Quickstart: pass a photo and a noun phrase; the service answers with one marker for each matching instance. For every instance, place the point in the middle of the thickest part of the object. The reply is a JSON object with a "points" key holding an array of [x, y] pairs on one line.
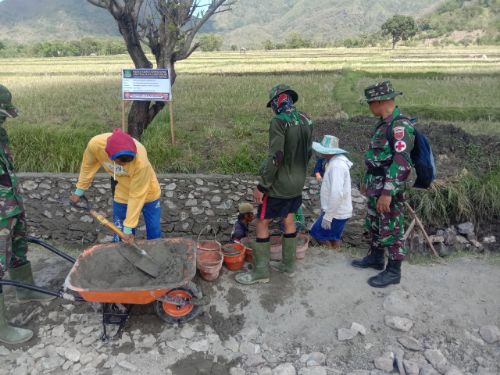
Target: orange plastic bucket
{"points": [[233, 261], [248, 243]]}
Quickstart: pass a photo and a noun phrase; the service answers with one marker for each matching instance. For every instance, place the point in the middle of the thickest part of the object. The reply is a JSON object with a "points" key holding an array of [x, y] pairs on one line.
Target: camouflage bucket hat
{"points": [[280, 89], [6, 107], [380, 91]]}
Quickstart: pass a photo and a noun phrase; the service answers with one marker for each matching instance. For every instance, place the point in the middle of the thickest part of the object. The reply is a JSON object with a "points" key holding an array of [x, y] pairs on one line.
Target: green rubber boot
{"points": [[8, 334], [288, 251], [260, 269], [24, 274]]}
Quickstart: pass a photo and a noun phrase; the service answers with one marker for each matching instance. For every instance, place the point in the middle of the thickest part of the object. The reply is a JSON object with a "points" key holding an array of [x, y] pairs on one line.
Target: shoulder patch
{"points": [[400, 146], [399, 132]]}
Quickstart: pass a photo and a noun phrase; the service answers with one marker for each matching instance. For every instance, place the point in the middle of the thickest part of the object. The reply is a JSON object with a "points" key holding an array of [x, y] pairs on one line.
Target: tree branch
{"points": [[213, 8], [100, 3]]}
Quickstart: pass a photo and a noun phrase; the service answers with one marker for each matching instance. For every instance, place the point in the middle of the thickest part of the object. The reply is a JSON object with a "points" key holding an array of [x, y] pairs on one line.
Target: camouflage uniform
{"points": [[13, 246], [388, 168]]}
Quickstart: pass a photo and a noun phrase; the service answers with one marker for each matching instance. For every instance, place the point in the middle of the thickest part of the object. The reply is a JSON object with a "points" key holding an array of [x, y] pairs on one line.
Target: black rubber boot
{"points": [[391, 275], [374, 259]]}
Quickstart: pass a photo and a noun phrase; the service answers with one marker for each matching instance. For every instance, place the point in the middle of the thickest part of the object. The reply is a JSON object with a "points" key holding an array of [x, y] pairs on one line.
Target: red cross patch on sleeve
{"points": [[399, 132], [400, 146]]}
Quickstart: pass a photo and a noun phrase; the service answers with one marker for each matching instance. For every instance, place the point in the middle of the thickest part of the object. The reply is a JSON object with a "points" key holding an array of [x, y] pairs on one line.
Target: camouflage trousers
{"points": [[13, 245], [387, 229]]}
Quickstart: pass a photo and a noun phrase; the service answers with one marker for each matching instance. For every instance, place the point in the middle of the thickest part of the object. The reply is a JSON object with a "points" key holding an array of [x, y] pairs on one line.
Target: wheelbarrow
{"points": [[100, 274]]}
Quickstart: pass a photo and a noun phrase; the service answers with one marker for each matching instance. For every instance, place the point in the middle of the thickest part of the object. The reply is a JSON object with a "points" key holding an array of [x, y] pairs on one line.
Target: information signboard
{"points": [[146, 85]]}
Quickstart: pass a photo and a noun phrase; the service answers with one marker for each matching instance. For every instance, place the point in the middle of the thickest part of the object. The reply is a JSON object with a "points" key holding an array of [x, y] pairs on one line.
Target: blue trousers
{"points": [[151, 212], [335, 233]]}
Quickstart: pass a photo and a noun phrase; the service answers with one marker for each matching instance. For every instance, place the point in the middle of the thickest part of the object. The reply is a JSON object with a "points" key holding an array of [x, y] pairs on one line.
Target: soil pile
{"points": [[453, 148]]}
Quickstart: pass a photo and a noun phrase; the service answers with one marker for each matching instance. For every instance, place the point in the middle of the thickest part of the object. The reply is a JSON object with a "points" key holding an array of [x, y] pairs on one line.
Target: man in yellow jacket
{"points": [[136, 186]]}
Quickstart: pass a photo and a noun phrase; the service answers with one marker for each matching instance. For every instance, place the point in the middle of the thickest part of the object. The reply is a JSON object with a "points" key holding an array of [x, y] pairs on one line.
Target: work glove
{"points": [[326, 224]]}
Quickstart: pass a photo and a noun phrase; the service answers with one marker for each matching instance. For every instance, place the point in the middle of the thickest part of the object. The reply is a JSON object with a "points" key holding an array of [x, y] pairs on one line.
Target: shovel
{"points": [[134, 254]]}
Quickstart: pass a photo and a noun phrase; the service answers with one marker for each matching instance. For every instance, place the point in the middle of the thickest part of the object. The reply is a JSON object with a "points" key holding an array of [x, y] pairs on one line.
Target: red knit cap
{"points": [[119, 144]]}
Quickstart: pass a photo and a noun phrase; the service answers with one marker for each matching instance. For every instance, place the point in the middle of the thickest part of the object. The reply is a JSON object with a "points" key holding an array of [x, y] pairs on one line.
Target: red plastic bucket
{"points": [[248, 243], [234, 261]]}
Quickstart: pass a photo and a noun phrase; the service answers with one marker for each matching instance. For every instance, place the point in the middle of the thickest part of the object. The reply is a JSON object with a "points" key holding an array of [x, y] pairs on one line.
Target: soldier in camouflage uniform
{"points": [[388, 166], [13, 246]]}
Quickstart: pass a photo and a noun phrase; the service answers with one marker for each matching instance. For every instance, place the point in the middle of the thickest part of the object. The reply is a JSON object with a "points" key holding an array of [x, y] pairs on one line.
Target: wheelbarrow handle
{"points": [[51, 248]]}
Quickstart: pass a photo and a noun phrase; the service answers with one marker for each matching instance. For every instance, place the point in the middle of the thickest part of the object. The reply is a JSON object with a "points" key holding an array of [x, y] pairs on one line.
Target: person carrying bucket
{"points": [[13, 245], [137, 188], [282, 178], [335, 193]]}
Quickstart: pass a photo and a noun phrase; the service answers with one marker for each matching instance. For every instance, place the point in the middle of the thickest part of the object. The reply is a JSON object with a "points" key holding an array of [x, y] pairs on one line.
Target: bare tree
{"points": [[168, 28]]}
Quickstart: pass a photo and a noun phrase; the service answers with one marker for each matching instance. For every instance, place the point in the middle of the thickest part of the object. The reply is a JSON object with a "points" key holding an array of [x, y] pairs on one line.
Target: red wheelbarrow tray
{"points": [[102, 274]]}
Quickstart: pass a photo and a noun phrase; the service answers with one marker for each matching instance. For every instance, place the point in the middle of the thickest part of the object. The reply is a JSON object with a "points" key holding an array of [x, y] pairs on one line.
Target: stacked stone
{"points": [[190, 203]]}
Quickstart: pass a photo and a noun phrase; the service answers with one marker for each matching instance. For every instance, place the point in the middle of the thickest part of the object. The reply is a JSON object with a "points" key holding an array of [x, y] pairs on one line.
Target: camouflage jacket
{"points": [[11, 203], [388, 167], [283, 173]]}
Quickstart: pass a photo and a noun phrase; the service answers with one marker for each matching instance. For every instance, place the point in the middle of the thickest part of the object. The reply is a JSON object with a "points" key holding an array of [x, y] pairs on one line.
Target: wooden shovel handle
{"points": [[421, 226], [104, 221]]}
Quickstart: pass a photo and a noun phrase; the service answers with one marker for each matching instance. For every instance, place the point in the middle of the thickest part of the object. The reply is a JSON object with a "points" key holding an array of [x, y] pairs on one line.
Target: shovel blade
{"points": [[142, 262]]}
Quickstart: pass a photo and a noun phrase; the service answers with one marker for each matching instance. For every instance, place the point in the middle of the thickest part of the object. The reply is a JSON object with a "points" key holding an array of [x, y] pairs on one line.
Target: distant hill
{"points": [[249, 24], [464, 20]]}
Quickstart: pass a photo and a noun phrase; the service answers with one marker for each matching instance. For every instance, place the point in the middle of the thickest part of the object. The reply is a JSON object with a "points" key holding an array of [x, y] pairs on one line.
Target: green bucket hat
{"points": [[379, 92], [280, 89], [6, 107]]}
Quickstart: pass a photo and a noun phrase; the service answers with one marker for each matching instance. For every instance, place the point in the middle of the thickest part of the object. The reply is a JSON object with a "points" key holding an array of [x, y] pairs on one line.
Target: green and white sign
{"points": [[146, 85]]}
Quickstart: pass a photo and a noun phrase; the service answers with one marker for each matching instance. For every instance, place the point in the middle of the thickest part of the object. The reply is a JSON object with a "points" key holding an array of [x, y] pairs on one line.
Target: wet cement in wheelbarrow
{"points": [[107, 269]]}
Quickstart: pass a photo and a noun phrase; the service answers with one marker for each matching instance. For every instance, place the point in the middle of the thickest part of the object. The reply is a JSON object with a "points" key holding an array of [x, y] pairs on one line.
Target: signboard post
{"points": [[147, 85]]}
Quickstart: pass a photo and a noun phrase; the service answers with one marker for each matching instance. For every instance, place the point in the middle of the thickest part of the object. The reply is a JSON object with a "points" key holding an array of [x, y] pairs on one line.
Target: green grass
{"points": [[220, 116], [221, 122], [468, 197], [441, 97]]}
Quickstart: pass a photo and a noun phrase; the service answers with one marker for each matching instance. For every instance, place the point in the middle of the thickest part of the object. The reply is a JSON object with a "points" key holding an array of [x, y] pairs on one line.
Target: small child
{"points": [[319, 169], [335, 194], [245, 217]]}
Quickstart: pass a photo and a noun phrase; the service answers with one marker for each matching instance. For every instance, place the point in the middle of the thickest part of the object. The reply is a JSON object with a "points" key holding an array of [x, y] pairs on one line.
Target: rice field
{"points": [[219, 100], [451, 60]]}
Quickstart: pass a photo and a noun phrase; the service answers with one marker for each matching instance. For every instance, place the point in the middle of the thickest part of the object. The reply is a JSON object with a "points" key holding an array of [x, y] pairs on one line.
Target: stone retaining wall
{"points": [[189, 204]]}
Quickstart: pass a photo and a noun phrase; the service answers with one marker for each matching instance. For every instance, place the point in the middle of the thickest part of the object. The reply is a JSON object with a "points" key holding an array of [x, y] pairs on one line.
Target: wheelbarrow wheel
{"points": [[174, 314]]}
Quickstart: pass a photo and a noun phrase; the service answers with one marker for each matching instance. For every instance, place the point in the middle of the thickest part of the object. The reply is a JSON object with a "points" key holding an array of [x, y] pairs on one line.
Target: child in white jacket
{"points": [[335, 194]]}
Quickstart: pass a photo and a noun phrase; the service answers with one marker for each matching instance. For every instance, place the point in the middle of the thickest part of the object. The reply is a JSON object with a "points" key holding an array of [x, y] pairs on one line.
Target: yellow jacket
{"points": [[137, 182]]}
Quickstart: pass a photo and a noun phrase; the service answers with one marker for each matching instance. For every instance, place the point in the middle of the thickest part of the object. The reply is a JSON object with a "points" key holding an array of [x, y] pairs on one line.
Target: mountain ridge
{"points": [[249, 24]]}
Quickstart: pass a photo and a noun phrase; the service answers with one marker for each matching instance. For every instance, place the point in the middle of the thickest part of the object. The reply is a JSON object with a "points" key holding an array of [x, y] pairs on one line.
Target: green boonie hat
{"points": [[380, 91], [6, 107], [280, 89]]}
